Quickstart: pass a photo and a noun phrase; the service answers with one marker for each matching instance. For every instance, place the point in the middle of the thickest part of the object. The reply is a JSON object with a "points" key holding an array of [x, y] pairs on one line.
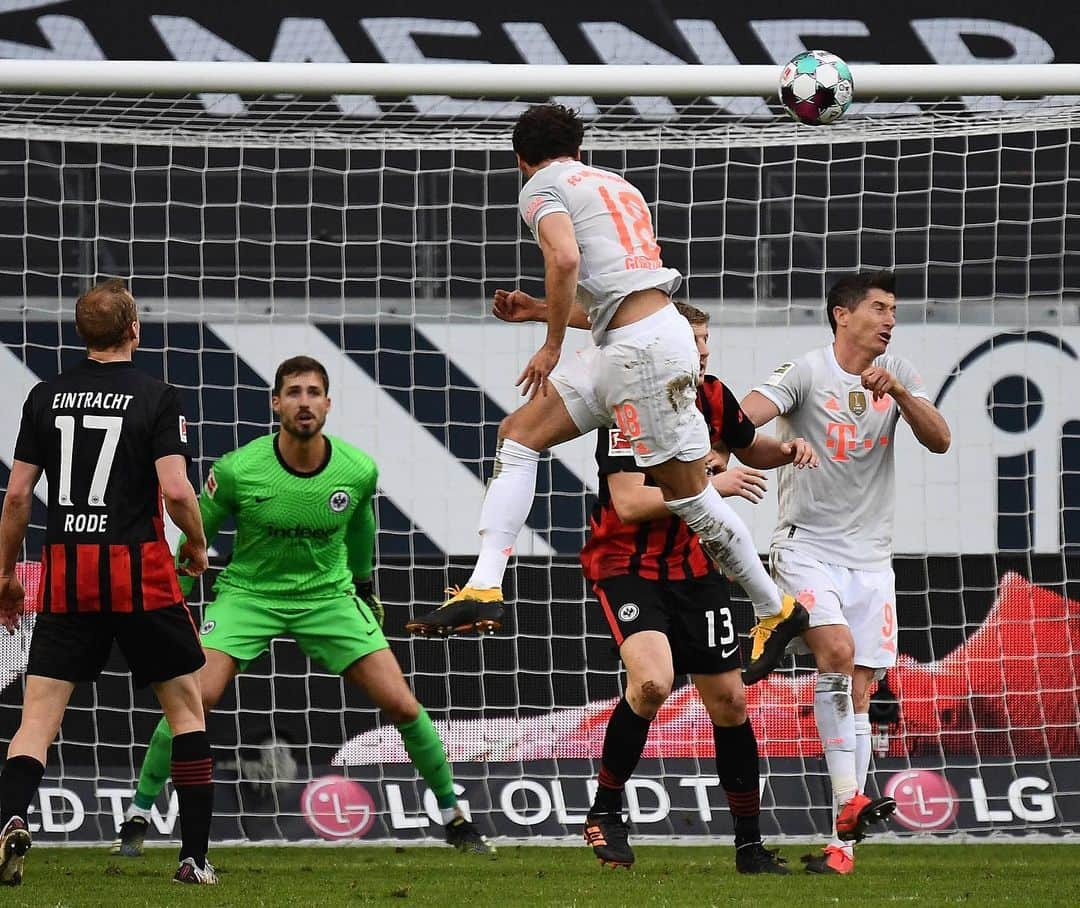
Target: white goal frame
{"points": [[38, 85]]}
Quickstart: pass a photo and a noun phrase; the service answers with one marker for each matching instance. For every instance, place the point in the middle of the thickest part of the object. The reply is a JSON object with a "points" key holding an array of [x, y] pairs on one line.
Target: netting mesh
{"points": [[280, 121], [253, 232]]}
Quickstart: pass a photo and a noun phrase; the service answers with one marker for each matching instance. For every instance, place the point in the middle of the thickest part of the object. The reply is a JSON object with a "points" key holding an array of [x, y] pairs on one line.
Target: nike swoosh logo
{"points": [[259, 499], [724, 653]]}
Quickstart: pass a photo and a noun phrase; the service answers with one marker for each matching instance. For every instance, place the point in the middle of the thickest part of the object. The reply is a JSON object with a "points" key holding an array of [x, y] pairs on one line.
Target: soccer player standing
{"points": [[834, 535], [112, 441], [596, 235], [669, 613], [301, 567]]}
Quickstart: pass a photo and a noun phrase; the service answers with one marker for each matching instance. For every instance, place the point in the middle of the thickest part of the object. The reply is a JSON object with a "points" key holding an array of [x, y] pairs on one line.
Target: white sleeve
{"points": [[788, 385], [538, 201]]}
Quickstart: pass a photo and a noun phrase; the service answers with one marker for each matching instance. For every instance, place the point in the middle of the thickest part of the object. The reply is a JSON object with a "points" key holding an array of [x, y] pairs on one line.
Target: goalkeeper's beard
{"points": [[304, 431]]}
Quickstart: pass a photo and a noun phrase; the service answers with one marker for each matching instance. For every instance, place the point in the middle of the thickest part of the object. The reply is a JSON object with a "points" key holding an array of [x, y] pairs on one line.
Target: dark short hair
{"points": [[104, 315], [849, 291], [298, 365], [692, 314], [547, 131]]}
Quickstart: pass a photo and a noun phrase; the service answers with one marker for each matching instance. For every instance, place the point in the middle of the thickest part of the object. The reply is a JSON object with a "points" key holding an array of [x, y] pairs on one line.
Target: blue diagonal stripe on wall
{"points": [[227, 402]]}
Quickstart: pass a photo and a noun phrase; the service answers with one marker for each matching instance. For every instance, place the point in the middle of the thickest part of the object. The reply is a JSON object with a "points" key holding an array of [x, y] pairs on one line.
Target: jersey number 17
{"points": [[112, 426]]}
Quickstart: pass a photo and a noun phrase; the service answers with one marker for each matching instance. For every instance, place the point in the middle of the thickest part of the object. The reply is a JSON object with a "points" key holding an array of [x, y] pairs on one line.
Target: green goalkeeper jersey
{"points": [[298, 536]]}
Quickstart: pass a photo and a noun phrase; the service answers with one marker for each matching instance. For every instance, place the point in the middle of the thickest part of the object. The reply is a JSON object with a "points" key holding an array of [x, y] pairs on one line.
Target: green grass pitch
{"points": [[925, 875]]}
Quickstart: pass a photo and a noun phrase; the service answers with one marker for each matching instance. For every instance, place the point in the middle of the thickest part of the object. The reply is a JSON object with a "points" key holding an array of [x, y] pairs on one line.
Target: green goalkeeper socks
{"points": [[422, 743], [156, 766], [425, 749]]}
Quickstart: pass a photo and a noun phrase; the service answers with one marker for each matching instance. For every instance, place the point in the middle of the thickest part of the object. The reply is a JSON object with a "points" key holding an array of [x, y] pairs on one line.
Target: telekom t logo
{"points": [[841, 439]]}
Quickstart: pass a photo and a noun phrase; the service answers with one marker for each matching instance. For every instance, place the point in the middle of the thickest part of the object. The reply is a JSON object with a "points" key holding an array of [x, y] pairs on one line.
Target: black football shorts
{"points": [[694, 614], [158, 645]]}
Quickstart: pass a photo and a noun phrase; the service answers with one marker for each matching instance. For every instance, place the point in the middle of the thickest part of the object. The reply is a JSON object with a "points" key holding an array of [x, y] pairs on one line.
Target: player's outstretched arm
{"points": [[636, 502], [759, 408], [13, 523], [767, 452], [519, 306], [183, 508], [753, 448]]}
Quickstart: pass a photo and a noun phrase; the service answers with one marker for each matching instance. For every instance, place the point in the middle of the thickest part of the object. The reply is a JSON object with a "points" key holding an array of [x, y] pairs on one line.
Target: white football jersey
{"points": [[842, 512], [619, 252]]}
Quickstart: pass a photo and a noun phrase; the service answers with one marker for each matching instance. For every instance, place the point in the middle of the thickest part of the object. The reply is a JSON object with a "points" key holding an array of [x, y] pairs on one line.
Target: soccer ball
{"points": [[816, 87]]}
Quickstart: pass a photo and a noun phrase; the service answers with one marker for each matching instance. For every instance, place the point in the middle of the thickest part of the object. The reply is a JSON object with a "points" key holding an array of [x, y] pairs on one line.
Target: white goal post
{"points": [[365, 213], [513, 80]]}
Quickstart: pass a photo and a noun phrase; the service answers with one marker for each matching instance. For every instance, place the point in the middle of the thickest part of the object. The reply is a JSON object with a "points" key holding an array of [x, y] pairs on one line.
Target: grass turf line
{"points": [[976, 875]]}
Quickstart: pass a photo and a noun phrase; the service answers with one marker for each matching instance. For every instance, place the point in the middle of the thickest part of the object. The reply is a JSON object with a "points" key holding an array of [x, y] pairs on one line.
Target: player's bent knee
{"points": [[726, 707], [526, 433], [507, 426], [650, 695], [834, 654], [679, 480], [729, 716]]}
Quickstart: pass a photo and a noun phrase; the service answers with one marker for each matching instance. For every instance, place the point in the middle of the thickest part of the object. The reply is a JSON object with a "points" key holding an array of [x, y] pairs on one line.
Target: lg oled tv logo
{"points": [[338, 808], [927, 802]]}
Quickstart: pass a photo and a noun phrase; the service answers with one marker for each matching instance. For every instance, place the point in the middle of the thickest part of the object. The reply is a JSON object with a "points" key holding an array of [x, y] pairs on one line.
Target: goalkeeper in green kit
{"points": [[301, 568]]}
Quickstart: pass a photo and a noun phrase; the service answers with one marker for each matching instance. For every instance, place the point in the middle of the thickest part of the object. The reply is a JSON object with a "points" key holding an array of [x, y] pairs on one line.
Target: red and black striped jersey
{"points": [[664, 549], [97, 430]]}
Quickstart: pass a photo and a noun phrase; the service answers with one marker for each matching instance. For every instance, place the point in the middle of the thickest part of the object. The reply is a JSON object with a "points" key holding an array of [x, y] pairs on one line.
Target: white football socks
{"points": [[728, 543], [862, 749], [835, 718], [506, 507], [836, 727]]}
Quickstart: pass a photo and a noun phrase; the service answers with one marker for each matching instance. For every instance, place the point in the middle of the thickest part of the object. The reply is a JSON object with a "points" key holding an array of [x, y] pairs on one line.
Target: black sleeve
{"points": [[736, 431], [169, 432], [27, 448], [613, 453]]}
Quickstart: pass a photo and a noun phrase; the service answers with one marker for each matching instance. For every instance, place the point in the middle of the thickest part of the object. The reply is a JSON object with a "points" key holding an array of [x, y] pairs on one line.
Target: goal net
{"points": [[371, 232]]}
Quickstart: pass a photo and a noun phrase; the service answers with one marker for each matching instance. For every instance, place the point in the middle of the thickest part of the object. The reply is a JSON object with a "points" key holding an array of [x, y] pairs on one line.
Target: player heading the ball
{"points": [[596, 235]]}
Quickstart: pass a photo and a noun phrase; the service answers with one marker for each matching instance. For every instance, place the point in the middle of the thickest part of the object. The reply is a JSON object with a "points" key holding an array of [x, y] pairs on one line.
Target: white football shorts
{"points": [[575, 380], [865, 601], [642, 378]]}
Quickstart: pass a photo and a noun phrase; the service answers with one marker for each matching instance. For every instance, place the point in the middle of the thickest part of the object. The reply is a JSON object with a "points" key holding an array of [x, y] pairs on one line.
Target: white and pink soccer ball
{"points": [[816, 87]]}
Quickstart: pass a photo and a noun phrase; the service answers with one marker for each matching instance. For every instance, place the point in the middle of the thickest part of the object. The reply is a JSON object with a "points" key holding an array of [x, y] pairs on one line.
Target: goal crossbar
{"points": [[513, 80]]}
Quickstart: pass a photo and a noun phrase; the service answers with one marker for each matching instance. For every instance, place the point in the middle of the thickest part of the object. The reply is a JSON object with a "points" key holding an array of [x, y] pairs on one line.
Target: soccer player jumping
{"points": [[596, 235], [112, 442], [834, 533], [301, 567]]}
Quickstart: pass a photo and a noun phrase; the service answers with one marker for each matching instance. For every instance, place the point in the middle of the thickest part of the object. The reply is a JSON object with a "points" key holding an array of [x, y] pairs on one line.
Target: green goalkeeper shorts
{"points": [[335, 632]]}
